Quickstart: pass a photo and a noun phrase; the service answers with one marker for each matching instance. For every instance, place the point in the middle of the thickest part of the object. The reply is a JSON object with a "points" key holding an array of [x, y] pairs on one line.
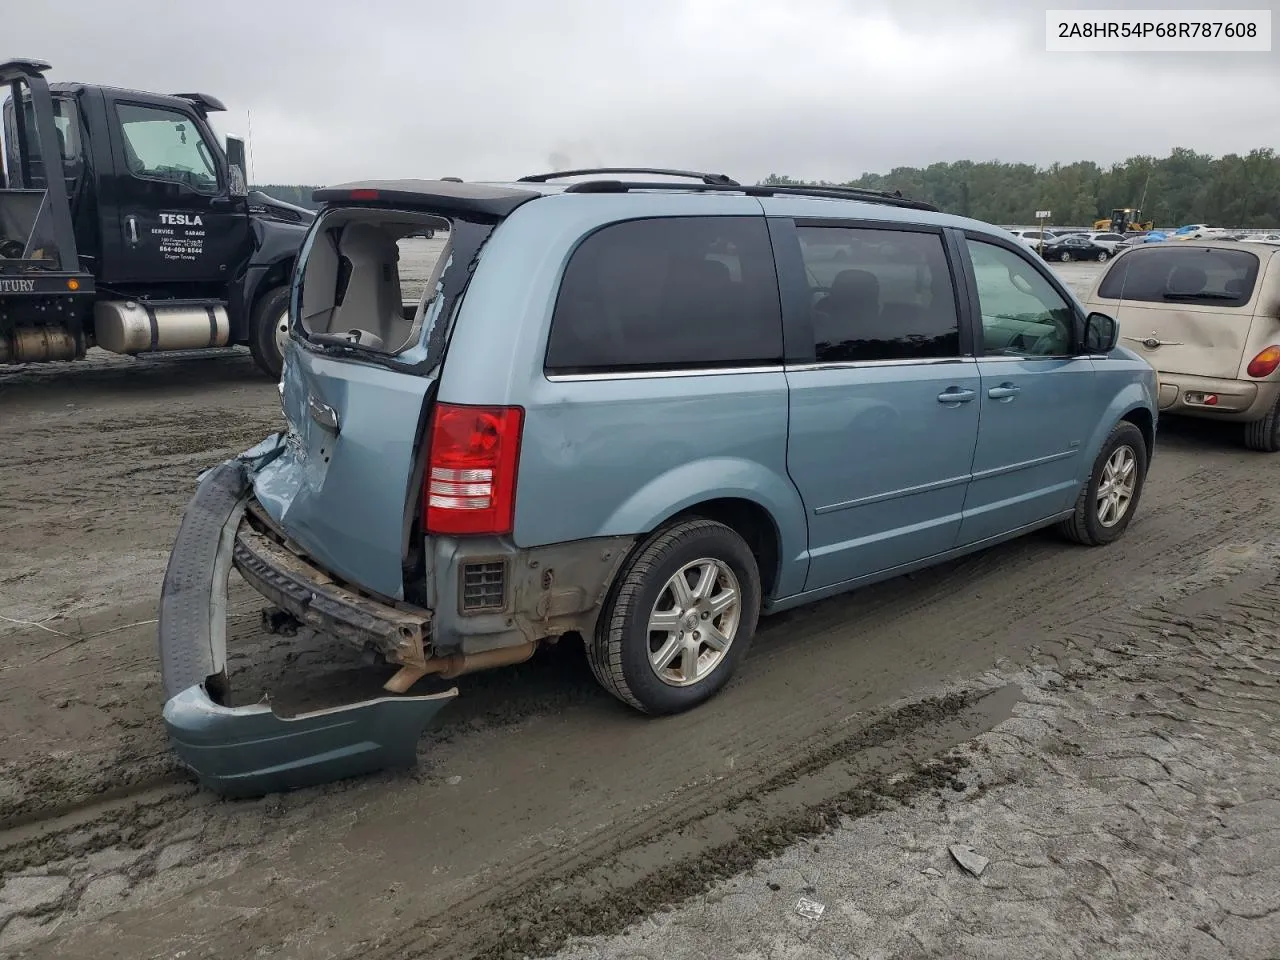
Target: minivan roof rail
{"points": [[895, 199], [710, 179]]}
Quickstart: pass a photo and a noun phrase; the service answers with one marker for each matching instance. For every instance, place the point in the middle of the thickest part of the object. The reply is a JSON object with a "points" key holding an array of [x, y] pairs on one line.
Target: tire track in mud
{"points": [[891, 758]]}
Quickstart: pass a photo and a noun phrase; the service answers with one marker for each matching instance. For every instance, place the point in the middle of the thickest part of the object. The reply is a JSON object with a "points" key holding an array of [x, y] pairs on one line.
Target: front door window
{"points": [[1022, 315], [166, 145]]}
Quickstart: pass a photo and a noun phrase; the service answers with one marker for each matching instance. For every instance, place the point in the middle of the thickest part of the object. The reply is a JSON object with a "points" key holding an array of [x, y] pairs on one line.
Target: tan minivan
{"points": [[1206, 315]]}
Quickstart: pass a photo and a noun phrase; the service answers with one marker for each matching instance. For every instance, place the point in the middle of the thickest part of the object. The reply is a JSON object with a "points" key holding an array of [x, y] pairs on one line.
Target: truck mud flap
{"points": [[250, 751]]}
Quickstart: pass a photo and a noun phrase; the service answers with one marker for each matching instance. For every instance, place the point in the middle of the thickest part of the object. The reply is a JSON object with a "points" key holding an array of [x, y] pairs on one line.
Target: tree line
{"points": [[1184, 187]]}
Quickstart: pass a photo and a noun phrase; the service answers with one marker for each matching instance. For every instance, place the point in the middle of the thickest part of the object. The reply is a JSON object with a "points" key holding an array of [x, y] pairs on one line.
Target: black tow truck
{"points": [[150, 239]]}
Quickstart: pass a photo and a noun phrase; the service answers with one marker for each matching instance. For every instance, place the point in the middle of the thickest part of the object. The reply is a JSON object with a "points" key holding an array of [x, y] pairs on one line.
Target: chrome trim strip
{"points": [[892, 495], [795, 368], [660, 374], [1024, 465], [862, 364]]}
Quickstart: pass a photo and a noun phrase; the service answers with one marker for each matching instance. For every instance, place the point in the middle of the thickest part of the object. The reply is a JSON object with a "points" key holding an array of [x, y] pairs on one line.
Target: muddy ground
{"points": [[541, 807]]}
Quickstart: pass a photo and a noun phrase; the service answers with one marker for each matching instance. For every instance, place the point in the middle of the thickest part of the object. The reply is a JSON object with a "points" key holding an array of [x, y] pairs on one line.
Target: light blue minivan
{"points": [[644, 407]]}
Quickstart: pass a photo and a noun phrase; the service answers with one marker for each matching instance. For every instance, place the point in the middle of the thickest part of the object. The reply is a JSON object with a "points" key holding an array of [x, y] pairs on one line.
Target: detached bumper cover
{"points": [[250, 751]]}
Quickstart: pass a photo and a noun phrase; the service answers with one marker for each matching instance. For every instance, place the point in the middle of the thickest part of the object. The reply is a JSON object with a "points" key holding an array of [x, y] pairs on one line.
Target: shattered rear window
{"points": [[369, 277]]}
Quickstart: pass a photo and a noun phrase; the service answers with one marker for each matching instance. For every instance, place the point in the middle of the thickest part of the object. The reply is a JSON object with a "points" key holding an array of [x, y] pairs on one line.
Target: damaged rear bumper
{"points": [[251, 750]]}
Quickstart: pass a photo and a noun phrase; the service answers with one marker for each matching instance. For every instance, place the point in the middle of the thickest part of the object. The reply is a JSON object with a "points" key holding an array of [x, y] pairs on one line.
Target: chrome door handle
{"points": [[954, 396], [133, 228], [1005, 392]]}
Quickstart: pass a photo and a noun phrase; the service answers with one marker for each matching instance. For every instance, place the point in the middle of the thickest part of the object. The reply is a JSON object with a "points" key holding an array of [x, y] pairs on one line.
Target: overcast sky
{"points": [[493, 89]]}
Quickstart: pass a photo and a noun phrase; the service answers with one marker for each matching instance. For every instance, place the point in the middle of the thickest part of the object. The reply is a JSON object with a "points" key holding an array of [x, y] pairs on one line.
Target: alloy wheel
{"points": [[1115, 490], [694, 622]]}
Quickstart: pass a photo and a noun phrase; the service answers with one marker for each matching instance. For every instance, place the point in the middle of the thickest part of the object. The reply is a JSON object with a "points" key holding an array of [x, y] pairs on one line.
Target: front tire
{"points": [[678, 619], [1264, 435], [1108, 501], [270, 330], [1065, 257], [1102, 256]]}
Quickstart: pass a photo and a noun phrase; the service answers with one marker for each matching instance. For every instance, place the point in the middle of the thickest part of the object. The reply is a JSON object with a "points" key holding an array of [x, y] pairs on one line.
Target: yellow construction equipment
{"points": [[1124, 219]]}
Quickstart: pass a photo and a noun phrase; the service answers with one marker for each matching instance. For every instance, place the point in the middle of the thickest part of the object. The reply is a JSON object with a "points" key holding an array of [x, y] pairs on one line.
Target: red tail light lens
{"points": [[363, 194], [470, 483], [1265, 363]]}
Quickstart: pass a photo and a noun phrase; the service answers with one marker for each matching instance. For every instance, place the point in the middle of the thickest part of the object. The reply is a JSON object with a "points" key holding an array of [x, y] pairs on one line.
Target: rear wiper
{"points": [[1200, 296]]}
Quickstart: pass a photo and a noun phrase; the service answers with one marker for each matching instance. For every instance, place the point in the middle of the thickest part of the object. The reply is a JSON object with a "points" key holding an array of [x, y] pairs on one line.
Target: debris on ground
{"points": [[932, 873], [810, 909], [279, 622], [968, 858]]}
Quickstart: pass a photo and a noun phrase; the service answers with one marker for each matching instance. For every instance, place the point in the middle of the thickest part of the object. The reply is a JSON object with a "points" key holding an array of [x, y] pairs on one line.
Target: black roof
{"points": [[205, 102], [443, 196], [498, 200], [11, 70]]}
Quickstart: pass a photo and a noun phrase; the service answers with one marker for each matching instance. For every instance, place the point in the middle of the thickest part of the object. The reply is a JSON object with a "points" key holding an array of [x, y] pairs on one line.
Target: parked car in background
{"points": [[1033, 238], [1110, 241], [1075, 247], [1206, 315], [635, 427]]}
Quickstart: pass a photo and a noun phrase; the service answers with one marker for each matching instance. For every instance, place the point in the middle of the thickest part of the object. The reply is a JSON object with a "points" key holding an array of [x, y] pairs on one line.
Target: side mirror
{"points": [[1101, 333], [239, 183]]}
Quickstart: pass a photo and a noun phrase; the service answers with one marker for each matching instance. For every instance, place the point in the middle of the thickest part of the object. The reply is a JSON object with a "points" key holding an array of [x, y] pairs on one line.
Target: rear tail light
{"points": [[1265, 363], [470, 483]]}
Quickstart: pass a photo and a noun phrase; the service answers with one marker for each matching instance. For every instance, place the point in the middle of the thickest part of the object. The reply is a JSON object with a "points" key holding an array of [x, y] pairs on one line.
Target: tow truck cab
{"points": [[150, 239]]}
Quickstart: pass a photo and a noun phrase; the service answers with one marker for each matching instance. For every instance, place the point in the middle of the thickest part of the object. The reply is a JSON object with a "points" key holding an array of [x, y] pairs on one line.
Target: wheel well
{"points": [[750, 521], [1141, 418], [279, 273]]}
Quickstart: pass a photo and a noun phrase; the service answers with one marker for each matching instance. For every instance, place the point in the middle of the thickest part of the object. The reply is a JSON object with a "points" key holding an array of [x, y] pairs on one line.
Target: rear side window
{"points": [[668, 294], [879, 294], [1175, 273]]}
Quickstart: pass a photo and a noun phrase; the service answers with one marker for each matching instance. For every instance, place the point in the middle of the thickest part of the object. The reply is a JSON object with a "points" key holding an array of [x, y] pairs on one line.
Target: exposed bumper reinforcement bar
{"points": [[308, 594], [250, 751]]}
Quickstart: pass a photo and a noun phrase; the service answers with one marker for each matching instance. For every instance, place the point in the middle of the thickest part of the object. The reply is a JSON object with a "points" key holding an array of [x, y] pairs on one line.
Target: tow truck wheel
{"points": [[270, 333]]}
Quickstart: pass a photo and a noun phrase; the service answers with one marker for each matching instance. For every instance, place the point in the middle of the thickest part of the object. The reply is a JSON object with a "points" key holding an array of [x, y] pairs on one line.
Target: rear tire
{"points": [[632, 641], [1102, 256], [269, 329], [1094, 524], [1264, 435], [1065, 257]]}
